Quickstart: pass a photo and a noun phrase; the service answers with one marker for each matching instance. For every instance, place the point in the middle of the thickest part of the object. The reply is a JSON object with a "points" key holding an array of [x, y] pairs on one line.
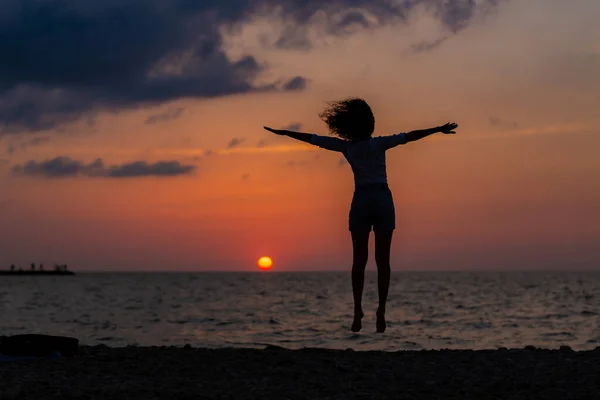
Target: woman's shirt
{"points": [[366, 157]]}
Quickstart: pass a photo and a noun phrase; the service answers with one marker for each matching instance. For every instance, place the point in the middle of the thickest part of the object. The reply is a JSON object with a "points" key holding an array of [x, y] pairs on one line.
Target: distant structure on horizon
{"points": [[59, 269]]}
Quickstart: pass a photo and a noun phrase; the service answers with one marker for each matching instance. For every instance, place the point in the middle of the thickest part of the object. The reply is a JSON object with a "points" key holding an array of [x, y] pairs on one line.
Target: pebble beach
{"points": [[101, 372]]}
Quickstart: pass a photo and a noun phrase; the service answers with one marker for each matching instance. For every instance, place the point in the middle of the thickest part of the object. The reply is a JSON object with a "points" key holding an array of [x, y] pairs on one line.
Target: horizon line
{"points": [[257, 271]]}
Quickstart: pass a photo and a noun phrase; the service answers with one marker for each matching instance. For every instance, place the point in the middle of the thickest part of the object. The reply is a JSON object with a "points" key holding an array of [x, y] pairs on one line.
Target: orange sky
{"points": [[516, 188]]}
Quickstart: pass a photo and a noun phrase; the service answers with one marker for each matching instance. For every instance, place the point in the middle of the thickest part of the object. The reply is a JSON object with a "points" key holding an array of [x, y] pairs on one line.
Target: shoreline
{"points": [[157, 372]]}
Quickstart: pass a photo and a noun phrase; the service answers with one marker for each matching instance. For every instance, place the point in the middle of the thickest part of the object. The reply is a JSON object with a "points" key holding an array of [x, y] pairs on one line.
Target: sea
{"points": [[426, 310]]}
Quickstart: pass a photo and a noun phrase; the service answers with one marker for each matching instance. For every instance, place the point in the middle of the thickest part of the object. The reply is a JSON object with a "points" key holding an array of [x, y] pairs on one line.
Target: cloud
{"points": [[295, 38], [235, 142], [342, 161], [24, 143], [63, 167], [142, 168], [62, 60], [303, 18], [65, 59], [245, 177], [170, 114], [294, 127], [208, 152], [425, 46], [55, 168], [261, 143], [297, 83]]}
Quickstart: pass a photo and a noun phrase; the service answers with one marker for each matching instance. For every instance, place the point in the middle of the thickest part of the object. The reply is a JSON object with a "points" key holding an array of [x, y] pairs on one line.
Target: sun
{"points": [[265, 263]]}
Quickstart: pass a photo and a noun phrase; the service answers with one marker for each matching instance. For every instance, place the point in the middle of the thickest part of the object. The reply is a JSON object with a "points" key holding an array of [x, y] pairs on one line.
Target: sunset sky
{"points": [[131, 132]]}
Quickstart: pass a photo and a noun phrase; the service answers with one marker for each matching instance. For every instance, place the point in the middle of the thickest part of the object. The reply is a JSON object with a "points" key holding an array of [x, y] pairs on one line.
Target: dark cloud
{"points": [[297, 83], [296, 126], [63, 59], [55, 168], [24, 143], [142, 168], [344, 17], [353, 18], [456, 14], [294, 37], [208, 152], [423, 47], [170, 114], [261, 143], [62, 167], [338, 18], [67, 59], [342, 161], [235, 142]]}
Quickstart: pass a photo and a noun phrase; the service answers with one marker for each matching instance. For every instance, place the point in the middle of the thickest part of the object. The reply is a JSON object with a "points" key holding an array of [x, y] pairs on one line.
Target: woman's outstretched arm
{"points": [[391, 141], [304, 137], [325, 142], [420, 134]]}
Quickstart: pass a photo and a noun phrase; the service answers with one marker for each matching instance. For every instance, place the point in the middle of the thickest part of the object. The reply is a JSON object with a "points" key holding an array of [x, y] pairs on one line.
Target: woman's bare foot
{"points": [[357, 323], [380, 324]]}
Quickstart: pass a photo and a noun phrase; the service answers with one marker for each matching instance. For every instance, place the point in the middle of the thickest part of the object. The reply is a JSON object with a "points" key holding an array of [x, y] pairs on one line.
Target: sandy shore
{"points": [[193, 373]]}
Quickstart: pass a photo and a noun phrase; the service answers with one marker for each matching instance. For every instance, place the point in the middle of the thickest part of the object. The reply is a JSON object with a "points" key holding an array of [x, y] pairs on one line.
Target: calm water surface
{"points": [[427, 310]]}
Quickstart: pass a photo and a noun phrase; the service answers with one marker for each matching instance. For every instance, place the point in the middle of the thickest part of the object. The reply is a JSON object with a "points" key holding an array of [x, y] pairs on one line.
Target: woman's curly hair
{"points": [[350, 119]]}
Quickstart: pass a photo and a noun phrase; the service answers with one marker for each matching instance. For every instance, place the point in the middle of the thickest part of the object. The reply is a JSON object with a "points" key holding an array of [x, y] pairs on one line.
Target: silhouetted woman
{"points": [[372, 204]]}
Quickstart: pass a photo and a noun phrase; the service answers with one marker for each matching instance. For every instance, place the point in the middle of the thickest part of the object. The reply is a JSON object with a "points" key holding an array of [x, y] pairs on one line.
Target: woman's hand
{"points": [[275, 131], [448, 128]]}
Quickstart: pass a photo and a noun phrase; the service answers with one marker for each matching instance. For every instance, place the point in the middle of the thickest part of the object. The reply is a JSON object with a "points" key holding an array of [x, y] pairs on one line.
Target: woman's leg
{"points": [[360, 246], [383, 244]]}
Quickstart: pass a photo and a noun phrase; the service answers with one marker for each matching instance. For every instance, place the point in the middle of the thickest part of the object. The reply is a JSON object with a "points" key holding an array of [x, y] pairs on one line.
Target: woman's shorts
{"points": [[372, 208]]}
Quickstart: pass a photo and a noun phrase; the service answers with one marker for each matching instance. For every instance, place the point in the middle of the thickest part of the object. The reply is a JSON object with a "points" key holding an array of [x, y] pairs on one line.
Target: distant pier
{"points": [[59, 269]]}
